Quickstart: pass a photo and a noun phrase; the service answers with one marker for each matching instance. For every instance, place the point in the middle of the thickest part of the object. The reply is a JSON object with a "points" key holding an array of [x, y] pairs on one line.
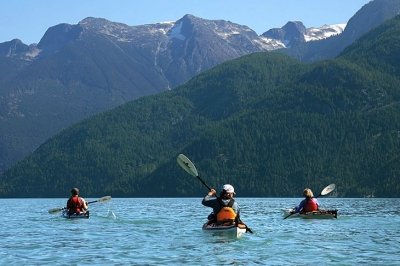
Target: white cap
{"points": [[228, 188]]}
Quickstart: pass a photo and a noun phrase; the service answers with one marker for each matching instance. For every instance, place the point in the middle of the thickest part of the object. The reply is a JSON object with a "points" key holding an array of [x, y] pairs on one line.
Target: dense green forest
{"points": [[265, 123]]}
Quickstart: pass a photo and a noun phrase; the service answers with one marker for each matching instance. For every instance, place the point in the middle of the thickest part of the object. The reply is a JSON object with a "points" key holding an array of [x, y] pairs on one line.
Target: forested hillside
{"points": [[265, 123]]}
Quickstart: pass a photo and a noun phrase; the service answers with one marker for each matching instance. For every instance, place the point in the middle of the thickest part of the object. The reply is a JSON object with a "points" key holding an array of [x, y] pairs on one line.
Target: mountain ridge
{"points": [[264, 122], [80, 70], [368, 17]]}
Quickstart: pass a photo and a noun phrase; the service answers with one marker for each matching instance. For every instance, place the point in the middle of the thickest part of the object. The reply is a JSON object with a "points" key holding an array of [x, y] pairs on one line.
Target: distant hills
{"points": [[266, 123], [76, 71]]}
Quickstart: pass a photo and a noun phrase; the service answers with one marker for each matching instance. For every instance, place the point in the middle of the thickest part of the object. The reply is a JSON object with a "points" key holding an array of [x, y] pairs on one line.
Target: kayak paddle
{"points": [[327, 190], [103, 199], [189, 167], [324, 192]]}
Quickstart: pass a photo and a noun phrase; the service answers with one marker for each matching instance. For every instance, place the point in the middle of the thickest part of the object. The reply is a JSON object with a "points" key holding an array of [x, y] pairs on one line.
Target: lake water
{"points": [[138, 231]]}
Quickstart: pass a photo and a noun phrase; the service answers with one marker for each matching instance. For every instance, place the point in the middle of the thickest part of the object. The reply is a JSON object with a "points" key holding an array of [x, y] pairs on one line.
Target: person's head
{"points": [[74, 191], [227, 191], [308, 193]]}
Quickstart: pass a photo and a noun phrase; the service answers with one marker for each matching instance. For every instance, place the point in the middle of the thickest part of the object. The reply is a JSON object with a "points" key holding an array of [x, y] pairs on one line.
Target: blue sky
{"points": [[28, 20]]}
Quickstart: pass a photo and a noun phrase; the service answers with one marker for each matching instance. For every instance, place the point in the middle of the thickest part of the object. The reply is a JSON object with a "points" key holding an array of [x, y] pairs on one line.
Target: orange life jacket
{"points": [[226, 214]]}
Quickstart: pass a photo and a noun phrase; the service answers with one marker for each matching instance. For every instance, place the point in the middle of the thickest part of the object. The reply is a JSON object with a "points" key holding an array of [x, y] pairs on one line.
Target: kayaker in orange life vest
{"points": [[224, 206], [76, 204], [309, 204]]}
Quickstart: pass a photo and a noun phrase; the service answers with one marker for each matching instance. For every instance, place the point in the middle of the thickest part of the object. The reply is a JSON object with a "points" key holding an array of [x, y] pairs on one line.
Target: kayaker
{"points": [[225, 208], [308, 204], [75, 203]]}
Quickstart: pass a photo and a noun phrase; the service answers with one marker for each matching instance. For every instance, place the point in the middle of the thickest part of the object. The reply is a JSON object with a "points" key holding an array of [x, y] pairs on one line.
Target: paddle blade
{"points": [[104, 199], [187, 165], [55, 210], [328, 189]]}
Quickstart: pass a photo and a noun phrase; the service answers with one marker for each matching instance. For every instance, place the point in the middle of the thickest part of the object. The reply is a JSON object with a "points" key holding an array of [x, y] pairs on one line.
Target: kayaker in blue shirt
{"points": [[225, 208], [309, 204]]}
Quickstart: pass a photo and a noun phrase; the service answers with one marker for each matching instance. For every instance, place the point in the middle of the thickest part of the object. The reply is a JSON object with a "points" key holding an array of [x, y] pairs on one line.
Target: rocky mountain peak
{"points": [[294, 32], [12, 48], [58, 36], [294, 27], [183, 27], [102, 25], [370, 16]]}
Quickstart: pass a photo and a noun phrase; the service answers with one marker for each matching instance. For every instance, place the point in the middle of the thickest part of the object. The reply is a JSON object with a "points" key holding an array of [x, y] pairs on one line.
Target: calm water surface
{"points": [[127, 231]]}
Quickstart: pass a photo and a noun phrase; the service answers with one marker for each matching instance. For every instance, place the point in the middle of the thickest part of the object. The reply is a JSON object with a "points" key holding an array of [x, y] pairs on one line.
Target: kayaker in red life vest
{"points": [[76, 204], [309, 204], [225, 202]]}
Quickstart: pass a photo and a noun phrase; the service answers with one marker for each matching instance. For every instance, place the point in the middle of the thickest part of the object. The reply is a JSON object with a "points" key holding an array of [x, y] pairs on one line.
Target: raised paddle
{"points": [[189, 167], [324, 192], [103, 199]]}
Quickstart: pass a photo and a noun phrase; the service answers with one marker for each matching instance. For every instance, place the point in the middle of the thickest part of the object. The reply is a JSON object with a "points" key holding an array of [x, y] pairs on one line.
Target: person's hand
{"points": [[212, 192]]}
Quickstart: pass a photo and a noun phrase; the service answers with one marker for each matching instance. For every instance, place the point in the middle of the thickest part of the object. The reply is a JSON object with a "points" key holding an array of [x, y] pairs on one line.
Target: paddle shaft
{"points": [[55, 210], [204, 183], [92, 201]]}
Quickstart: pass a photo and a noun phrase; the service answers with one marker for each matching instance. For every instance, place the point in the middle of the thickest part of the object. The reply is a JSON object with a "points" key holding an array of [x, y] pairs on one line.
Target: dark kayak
{"points": [[320, 214], [84, 215]]}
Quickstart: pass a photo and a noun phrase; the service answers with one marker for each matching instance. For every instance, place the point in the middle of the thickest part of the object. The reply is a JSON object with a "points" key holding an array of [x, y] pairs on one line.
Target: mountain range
{"points": [[76, 71], [265, 122]]}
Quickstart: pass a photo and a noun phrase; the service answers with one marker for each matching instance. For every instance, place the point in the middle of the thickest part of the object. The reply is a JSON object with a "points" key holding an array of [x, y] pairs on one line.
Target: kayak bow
{"points": [[232, 230]]}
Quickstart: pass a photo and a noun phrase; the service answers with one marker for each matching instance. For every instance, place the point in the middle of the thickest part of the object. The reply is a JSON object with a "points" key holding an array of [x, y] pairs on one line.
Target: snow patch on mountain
{"points": [[226, 34], [163, 27], [326, 31], [32, 53], [269, 44], [226, 31], [176, 32]]}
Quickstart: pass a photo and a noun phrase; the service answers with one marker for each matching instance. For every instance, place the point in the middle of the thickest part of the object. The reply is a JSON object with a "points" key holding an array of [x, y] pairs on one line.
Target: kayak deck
{"points": [[84, 215], [234, 230], [320, 214]]}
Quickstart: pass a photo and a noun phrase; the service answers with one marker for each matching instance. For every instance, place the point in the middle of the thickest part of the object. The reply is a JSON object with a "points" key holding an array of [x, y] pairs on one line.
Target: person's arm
{"points": [[210, 199], [316, 202], [84, 204], [300, 207], [69, 204], [236, 208]]}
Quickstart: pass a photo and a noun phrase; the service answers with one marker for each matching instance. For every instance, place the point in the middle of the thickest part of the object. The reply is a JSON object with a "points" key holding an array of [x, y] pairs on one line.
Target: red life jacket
{"points": [[311, 205], [74, 205]]}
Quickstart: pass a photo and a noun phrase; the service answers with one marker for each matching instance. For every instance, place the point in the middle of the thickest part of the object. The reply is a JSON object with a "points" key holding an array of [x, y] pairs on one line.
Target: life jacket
{"points": [[311, 205], [75, 205], [226, 213]]}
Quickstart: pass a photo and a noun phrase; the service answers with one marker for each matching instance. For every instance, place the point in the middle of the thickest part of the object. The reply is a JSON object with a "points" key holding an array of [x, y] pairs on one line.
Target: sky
{"points": [[28, 20]]}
